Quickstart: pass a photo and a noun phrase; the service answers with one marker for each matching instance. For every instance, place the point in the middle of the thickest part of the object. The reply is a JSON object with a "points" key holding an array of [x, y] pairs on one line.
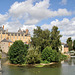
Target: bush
{"points": [[45, 61], [33, 56], [63, 57], [50, 55], [17, 52]]}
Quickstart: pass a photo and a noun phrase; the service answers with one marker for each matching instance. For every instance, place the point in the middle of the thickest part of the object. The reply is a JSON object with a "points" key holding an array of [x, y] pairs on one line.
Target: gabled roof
{"points": [[5, 40]]}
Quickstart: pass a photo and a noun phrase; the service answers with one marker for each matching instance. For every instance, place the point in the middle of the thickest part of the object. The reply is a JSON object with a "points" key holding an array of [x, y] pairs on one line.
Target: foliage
{"points": [[69, 43], [33, 56], [17, 52], [44, 61], [63, 57], [74, 45], [41, 38], [55, 38], [44, 38], [50, 55]]}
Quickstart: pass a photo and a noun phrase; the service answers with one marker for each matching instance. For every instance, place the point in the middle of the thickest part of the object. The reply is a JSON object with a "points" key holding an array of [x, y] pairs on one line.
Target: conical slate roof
{"points": [[5, 40]]}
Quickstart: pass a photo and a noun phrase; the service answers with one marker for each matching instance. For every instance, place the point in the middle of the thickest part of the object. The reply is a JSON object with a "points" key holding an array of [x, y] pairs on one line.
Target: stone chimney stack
{"points": [[3, 26], [27, 31]]}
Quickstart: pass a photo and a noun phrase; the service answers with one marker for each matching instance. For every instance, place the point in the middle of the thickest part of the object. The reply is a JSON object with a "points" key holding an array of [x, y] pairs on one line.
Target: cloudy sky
{"points": [[27, 14]]}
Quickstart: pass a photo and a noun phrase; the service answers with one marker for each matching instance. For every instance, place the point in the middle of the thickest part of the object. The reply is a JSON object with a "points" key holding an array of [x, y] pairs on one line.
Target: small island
{"points": [[43, 49]]}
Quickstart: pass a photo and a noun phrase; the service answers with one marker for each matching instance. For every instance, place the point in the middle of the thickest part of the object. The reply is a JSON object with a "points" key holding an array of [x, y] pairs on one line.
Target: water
{"points": [[66, 68]]}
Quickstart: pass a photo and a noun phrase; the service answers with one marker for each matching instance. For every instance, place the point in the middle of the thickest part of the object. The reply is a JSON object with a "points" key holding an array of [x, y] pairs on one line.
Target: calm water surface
{"points": [[66, 68]]}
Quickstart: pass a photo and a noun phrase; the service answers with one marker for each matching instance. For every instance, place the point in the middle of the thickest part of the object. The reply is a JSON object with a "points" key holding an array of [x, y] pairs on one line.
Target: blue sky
{"points": [[27, 14]]}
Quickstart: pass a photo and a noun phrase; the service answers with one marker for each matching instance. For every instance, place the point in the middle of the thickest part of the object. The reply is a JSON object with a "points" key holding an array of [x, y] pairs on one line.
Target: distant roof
{"points": [[5, 40], [65, 45]]}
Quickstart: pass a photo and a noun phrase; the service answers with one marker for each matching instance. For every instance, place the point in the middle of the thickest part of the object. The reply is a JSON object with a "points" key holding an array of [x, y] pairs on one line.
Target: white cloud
{"points": [[28, 11], [63, 2], [32, 13], [12, 26], [3, 18], [30, 22], [30, 28], [66, 26]]}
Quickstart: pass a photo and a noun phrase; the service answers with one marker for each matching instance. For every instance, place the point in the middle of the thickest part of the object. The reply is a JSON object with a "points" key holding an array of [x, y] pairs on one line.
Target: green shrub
{"points": [[50, 55], [33, 56], [63, 57], [17, 52], [45, 61]]}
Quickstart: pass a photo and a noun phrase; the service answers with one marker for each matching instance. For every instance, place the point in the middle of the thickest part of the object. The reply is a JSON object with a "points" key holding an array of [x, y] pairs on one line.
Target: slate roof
{"points": [[65, 45], [5, 40]]}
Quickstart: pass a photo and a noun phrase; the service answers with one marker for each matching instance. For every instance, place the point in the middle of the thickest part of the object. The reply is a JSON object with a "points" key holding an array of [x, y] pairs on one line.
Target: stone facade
{"points": [[5, 44], [13, 36], [64, 48], [7, 38]]}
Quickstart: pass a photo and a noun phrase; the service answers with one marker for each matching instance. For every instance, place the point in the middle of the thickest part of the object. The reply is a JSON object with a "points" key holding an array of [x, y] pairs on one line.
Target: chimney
{"points": [[27, 31], [3, 26]]}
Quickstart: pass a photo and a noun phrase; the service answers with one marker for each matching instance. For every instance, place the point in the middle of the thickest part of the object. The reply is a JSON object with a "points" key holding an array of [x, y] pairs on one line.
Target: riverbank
{"points": [[32, 65], [65, 68], [42, 64]]}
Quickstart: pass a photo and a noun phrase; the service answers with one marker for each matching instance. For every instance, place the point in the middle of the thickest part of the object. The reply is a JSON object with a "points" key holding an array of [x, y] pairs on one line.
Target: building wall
{"points": [[62, 49], [15, 37], [66, 50], [4, 46]]}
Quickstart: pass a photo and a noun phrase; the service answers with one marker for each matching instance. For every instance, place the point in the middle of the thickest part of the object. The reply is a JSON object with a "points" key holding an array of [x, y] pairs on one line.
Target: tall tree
{"points": [[69, 43], [55, 38], [74, 45], [41, 38]]}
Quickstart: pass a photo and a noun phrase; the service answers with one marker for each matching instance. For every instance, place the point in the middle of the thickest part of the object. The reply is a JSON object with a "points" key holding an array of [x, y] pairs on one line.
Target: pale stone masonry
{"points": [[7, 38], [20, 35]]}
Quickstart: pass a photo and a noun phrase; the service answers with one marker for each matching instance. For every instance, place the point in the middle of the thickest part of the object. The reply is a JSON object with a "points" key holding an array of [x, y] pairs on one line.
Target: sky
{"points": [[28, 14]]}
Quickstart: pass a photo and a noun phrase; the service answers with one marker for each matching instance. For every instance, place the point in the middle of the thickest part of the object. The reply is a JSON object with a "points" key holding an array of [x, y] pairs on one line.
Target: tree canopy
{"points": [[55, 38], [69, 43], [17, 52], [41, 38]]}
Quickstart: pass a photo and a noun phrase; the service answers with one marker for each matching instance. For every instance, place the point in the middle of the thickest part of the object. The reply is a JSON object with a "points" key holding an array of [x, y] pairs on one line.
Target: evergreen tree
{"points": [[41, 38], [69, 43], [55, 38]]}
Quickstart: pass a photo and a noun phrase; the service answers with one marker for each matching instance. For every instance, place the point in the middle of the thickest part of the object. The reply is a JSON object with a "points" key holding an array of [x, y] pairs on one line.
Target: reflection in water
{"points": [[67, 68]]}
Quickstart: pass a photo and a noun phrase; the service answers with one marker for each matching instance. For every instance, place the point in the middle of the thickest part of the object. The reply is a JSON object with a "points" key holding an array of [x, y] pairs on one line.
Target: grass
{"points": [[39, 65]]}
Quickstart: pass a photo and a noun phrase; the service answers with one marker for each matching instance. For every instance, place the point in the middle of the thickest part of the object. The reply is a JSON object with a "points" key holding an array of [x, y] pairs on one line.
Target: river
{"points": [[66, 68]]}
